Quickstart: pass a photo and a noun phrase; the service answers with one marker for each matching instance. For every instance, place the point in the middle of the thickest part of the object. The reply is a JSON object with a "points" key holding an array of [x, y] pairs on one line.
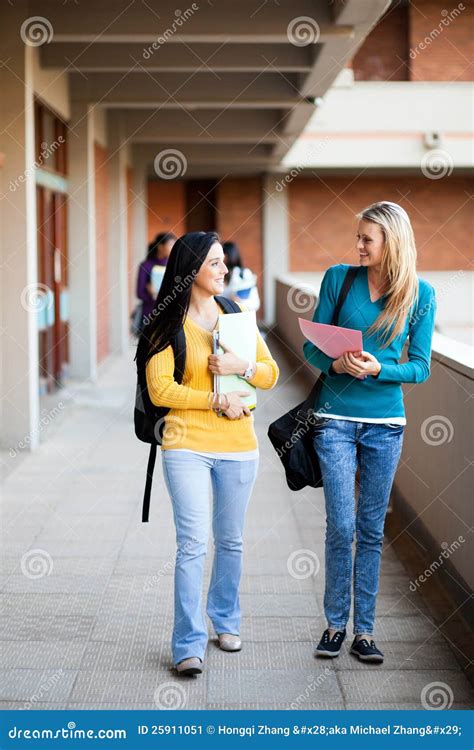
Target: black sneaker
{"points": [[366, 651], [330, 646]]}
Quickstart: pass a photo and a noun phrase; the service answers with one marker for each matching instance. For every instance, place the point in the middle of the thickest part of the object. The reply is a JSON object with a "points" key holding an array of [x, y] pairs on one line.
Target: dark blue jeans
{"points": [[341, 446]]}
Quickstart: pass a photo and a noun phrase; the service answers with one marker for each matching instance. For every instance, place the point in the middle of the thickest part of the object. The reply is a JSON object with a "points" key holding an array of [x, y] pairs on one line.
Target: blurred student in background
{"points": [[150, 275], [240, 282]]}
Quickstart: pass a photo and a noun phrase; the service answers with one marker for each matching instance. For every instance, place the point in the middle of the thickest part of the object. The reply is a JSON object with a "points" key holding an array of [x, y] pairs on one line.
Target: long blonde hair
{"points": [[398, 267]]}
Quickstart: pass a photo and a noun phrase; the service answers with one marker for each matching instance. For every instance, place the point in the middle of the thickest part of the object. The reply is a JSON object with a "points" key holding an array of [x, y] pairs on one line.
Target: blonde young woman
{"points": [[363, 418]]}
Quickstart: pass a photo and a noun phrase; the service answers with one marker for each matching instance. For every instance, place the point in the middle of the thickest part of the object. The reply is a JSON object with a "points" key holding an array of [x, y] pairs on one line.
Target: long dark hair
{"points": [[186, 258], [233, 259], [161, 239]]}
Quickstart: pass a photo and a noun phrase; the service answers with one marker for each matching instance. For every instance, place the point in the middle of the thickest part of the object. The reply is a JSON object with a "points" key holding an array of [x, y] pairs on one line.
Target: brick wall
{"points": [[102, 249], [449, 48], [384, 54], [166, 208], [239, 218], [322, 223]]}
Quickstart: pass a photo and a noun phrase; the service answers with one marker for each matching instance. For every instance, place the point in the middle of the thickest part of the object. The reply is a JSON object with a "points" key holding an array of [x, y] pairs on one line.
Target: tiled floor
{"points": [[86, 588]]}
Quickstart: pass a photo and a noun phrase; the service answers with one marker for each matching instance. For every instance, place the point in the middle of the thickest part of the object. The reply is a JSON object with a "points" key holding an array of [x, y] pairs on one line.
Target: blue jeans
{"points": [[188, 477], [341, 446]]}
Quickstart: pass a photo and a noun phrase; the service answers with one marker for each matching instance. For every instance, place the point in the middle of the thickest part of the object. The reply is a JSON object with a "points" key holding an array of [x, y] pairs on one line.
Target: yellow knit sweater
{"points": [[190, 422]]}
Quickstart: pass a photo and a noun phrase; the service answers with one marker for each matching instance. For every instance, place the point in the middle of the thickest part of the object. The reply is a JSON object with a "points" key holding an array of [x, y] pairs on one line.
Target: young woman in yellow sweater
{"points": [[201, 448]]}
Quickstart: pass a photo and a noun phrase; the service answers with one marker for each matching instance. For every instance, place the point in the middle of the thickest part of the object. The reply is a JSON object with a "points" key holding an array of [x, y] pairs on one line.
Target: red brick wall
{"points": [[446, 57], [384, 54], [166, 208], [322, 223], [131, 271], [102, 249], [239, 217]]}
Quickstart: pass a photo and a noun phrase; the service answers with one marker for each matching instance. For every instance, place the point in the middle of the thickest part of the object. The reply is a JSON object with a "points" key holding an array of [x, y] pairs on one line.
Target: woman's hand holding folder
{"points": [[237, 408], [227, 363]]}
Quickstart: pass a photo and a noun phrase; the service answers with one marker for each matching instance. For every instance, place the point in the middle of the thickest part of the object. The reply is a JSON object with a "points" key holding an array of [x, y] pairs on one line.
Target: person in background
{"points": [[150, 272], [240, 282]]}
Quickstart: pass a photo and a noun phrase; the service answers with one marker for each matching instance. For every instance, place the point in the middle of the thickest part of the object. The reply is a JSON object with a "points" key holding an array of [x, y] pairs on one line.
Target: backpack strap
{"points": [[228, 305], [149, 481], [179, 350]]}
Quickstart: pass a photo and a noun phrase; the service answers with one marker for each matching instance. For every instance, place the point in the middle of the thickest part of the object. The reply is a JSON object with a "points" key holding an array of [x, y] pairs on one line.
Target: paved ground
{"points": [[86, 588]]}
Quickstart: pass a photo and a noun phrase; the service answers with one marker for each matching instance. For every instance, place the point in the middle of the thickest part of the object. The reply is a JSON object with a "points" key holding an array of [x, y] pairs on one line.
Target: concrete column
{"points": [[118, 239], [82, 243], [275, 240], [19, 365], [140, 209]]}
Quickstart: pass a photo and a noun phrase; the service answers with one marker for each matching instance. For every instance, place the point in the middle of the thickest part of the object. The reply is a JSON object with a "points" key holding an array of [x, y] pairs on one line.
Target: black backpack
{"points": [[149, 419]]}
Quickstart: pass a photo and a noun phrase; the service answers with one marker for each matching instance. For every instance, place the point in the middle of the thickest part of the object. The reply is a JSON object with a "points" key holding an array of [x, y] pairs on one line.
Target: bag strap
{"points": [[179, 350], [228, 305], [149, 481], [344, 291]]}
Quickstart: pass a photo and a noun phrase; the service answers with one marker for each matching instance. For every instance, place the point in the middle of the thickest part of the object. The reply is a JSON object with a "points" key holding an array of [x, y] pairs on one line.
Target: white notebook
{"points": [[238, 331]]}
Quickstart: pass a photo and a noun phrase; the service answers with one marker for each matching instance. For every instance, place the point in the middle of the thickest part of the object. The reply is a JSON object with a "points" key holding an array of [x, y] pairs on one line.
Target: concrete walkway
{"points": [[86, 588]]}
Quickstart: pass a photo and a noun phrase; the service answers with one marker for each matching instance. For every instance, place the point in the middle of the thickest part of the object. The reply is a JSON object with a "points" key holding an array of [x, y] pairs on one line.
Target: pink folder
{"points": [[332, 340]]}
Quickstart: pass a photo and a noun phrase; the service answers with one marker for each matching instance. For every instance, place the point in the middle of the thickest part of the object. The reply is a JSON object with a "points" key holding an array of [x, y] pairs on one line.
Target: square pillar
{"points": [[276, 239], [19, 363], [82, 243]]}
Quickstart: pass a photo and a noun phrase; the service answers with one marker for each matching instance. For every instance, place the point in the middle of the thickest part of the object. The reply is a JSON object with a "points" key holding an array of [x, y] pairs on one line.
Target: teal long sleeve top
{"points": [[374, 398]]}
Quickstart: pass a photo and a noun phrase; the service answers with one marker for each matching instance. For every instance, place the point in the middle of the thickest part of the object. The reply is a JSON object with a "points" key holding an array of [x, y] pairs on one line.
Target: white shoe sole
{"points": [[330, 654]]}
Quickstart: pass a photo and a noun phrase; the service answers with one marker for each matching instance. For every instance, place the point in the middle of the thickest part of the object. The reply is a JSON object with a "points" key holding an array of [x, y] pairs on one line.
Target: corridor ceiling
{"points": [[228, 84]]}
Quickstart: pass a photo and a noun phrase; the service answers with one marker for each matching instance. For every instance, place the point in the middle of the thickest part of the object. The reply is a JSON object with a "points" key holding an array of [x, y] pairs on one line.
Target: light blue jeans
{"points": [[188, 477], [341, 446]]}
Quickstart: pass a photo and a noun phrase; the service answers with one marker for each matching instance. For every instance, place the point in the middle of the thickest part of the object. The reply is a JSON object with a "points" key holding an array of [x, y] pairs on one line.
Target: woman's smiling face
{"points": [[370, 243], [212, 272]]}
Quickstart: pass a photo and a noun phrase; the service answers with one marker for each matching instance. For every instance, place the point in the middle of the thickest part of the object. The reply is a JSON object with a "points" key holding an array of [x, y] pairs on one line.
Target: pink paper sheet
{"points": [[332, 340]]}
